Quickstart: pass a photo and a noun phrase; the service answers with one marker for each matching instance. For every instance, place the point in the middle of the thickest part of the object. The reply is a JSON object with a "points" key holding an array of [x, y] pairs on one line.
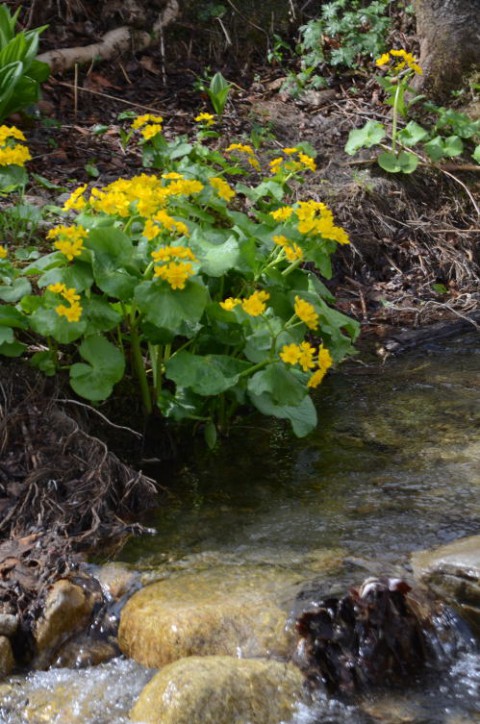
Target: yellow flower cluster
{"points": [[206, 119], [144, 193], [407, 60], [76, 200], [162, 221], [308, 358], [170, 265], [69, 240], [254, 305], [306, 312], [288, 164], [292, 250], [3, 252], [73, 312], [12, 153], [248, 151], [314, 218], [223, 189], [141, 121]]}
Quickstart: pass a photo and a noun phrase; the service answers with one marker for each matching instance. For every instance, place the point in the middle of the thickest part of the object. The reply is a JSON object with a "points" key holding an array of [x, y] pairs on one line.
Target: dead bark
{"points": [[114, 43]]}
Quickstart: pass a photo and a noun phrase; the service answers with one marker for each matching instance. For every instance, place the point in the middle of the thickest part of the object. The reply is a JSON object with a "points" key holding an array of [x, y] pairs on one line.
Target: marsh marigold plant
{"points": [[202, 284]]}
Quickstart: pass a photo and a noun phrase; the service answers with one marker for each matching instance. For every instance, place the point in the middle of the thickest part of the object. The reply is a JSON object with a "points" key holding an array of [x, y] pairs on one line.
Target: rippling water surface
{"points": [[393, 467]]}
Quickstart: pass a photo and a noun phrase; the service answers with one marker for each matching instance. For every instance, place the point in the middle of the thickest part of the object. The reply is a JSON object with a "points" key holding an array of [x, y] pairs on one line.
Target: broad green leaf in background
{"points": [[403, 162], [105, 367], [302, 417], [209, 374]]}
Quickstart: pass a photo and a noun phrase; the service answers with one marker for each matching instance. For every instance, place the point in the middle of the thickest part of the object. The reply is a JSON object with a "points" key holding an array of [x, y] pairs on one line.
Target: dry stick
{"points": [[75, 92], [106, 95]]}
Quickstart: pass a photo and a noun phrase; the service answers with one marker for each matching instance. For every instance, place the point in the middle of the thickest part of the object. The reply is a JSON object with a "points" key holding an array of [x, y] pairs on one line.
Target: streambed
{"points": [[392, 468]]}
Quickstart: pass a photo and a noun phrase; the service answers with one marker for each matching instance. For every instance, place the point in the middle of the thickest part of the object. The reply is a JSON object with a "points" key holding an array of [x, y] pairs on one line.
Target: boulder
{"points": [[226, 610], [220, 690], [452, 572]]}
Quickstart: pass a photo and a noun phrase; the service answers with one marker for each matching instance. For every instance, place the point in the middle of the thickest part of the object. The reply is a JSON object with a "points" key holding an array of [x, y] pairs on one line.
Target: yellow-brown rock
{"points": [[67, 610], [220, 690], [227, 610]]}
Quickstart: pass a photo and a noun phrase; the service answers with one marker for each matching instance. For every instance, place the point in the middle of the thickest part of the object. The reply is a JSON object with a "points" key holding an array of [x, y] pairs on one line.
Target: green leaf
{"points": [[106, 366], [205, 375], [11, 178], [371, 134], [217, 259], [6, 335], [476, 154], [50, 324], [280, 383], [45, 362], [403, 162], [302, 417], [102, 317], [453, 146], [412, 134], [12, 349], [171, 308], [112, 252], [439, 148], [11, 317], [15, 291], [77, 276]]}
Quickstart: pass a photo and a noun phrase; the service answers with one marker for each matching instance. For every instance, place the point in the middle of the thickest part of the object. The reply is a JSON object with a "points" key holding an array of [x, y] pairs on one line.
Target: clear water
{"points": [[393, 467]]}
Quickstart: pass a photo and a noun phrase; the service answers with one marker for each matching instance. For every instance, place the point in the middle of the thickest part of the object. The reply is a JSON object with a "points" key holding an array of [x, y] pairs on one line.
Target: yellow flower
{"points": [[325, 361], [175, 273], [172, 175], [76, 202], [72, 313], [57, 288], [245, 148], [184, 187], [290, 354], [306, 312], [206, 118], [307, 161], [282, 214], [306, 356], [407, 60], [151, 130], [11, 132], [223, 189], [293, 252], [280, 240], [147, 118], [276, 164], [290, 151], [229, 304], [167, 253], [14, 155], [69, 240], [255, 304], [71, 296], [3, 252]]}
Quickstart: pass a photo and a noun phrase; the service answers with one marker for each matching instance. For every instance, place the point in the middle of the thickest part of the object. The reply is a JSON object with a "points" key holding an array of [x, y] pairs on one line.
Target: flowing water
{"points": [[392, 468]]}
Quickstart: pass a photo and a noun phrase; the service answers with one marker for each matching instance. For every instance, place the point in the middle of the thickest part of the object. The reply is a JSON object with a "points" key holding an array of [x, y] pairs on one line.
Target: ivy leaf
{"points": [[205, 375], [95, 381], [371, 134]]}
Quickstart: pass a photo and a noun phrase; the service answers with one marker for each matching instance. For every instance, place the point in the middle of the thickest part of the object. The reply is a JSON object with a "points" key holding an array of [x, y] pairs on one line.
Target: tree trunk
{"points": [[449, 32]]}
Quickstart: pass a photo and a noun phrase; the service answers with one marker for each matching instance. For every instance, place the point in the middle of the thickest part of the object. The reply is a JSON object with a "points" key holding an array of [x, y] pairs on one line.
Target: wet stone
{"points": [[8, 624], [6, 657], [220, 690]]}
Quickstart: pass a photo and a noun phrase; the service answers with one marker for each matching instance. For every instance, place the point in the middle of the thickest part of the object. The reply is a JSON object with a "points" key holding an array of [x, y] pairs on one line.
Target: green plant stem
{"points": [[395, 116], [139, 366]]}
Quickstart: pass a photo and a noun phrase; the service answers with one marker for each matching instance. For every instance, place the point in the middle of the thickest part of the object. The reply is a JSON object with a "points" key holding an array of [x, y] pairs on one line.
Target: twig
{"points": [[107, 95], [104, 418]]}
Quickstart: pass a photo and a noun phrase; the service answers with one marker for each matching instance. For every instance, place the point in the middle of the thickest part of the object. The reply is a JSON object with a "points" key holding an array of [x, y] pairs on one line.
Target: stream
{"points": [[392, 468]]}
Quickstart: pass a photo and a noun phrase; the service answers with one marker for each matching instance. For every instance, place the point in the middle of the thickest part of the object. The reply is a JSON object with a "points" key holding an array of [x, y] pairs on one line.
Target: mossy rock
{"points": [[220, 690]]}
